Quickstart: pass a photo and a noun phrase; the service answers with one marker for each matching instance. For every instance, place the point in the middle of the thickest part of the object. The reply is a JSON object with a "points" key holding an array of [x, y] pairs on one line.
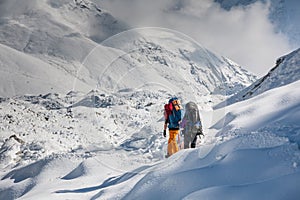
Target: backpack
{"points": [[191, 119], [174, 104]]}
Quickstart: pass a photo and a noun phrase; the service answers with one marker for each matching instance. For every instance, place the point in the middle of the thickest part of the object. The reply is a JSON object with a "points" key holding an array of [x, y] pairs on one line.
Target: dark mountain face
{"points": [[228, 4]]}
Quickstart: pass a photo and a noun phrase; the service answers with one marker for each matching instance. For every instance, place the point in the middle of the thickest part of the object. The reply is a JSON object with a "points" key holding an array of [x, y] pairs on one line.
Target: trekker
{"points": [[191, 124], [172, 121]]}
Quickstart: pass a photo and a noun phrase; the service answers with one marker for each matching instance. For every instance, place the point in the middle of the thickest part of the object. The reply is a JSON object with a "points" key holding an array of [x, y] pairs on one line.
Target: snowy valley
{"points": [[81, 109]]}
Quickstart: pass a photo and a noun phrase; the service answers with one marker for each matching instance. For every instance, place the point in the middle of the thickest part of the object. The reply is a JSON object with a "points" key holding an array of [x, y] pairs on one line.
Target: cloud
{"points": [[243, 34]]}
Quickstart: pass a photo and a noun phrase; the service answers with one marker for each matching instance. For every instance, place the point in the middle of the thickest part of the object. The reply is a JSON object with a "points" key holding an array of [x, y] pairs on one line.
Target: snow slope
{"points": [[178, 58], [41, 26], [286, 71], [59, 34], [254, 154], [107, 143], [74, 38], [25, 74]]}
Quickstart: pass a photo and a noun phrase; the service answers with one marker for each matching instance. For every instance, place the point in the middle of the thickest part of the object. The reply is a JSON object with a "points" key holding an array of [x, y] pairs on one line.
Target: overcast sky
{"points": [[244, 35]]}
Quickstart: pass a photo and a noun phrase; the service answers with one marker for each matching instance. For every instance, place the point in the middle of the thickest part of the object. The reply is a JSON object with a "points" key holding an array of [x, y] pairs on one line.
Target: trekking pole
{"points": [[200, 135], [179, 140], [180, 143]]}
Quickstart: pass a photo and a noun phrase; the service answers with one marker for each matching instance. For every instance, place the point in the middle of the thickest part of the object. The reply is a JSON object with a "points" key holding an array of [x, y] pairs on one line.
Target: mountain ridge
{"points": [[284, 72]]}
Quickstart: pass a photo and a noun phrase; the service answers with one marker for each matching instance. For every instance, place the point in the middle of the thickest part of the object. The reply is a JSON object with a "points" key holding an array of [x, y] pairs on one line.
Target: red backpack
{"points": [[174, 103], [168, 110]]}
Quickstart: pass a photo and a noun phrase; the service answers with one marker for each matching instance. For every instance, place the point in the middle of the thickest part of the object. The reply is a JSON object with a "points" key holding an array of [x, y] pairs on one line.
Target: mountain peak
{"points": [[285, 71]]}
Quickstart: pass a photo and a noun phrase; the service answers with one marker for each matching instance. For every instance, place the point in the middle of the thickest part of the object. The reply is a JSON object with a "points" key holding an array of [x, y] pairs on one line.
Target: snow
{"points": [[276, 115], [241, 156], [86, 123], [71, 40], [51, 36], [285, 71], [24, 74]]}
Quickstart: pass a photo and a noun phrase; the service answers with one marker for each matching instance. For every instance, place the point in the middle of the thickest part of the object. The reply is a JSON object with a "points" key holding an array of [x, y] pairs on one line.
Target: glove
{"points": [[165, 133], [199, 133]]}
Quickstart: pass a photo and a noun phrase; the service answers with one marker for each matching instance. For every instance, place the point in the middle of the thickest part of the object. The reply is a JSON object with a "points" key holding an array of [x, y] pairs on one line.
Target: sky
{"points": [[243, 34]]}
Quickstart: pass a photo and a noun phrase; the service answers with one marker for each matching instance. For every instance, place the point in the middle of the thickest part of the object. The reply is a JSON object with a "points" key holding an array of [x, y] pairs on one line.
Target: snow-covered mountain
{"points": [[55, 64], [285, 71], [114, 151], [59, 40], [155, 56], [49, 39], [284, 14], [81, 112]]}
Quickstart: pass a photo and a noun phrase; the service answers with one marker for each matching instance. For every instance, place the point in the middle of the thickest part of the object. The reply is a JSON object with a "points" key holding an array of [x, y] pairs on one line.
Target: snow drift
{"points": [[247, 159], [98, 133]]}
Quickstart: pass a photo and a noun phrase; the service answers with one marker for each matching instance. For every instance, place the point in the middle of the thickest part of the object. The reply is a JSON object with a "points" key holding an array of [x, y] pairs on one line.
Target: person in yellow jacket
{"points": [[172, 121]]}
